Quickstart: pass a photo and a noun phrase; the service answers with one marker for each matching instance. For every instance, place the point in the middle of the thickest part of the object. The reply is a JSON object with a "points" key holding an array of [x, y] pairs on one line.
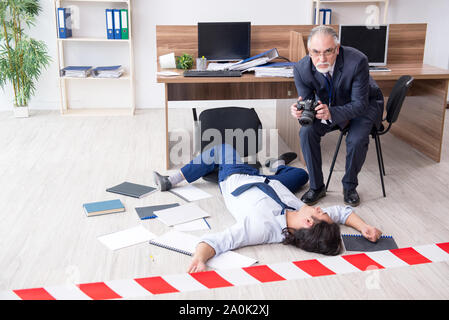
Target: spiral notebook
{"points": [[356, 242], [186, 243]]}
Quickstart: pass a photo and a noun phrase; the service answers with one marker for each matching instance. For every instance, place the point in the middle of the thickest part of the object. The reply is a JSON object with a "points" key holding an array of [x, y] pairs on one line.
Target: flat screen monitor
{"points": [[224, 41], [371, 40]]}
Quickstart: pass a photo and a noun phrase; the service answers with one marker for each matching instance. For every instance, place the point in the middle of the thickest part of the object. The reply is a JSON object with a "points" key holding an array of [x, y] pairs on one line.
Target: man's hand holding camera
{"points": [[311, 109], [322, 111]]}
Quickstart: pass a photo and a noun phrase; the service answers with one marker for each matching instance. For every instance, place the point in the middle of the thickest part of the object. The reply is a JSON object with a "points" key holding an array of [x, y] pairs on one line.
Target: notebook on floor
{"points": [[103, 207], [356, 242], [132, 189], [186, 243], [148, 212]]}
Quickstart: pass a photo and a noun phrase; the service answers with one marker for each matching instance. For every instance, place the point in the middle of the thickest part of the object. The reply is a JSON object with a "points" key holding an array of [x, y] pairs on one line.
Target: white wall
{"points": [[147, 14]]}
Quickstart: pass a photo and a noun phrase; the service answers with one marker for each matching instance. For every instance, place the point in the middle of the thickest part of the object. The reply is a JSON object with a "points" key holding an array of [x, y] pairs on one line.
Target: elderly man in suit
{"points": [[337, 77]]}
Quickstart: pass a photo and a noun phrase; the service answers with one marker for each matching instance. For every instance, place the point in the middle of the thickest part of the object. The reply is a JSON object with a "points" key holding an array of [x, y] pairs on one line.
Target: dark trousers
{"points": [[228, 162], [357, 141]]}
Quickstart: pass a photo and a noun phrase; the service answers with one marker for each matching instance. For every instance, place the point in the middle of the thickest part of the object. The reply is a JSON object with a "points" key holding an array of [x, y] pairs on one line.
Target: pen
{"points": [[207, 223]]}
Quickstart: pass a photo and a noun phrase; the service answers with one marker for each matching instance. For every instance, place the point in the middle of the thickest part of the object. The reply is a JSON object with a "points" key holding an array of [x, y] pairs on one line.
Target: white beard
{"points": [[323, 69]]}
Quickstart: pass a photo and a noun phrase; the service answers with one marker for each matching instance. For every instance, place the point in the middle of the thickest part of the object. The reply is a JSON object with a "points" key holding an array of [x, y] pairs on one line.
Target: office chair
{"points": [[393, 108], [229, 118]]}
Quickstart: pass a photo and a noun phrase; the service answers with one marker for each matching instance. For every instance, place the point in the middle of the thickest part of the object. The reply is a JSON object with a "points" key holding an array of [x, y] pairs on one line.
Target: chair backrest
{"points": [[397, 97], [297, 49], [244, 124]]}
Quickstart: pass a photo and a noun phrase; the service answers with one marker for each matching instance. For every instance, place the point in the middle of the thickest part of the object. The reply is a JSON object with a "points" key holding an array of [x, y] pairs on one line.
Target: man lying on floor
{"points": [[265, 207]]}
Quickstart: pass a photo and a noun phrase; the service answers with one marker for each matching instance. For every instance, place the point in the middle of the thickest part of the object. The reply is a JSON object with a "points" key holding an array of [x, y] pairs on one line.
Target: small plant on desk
{"points": [[184, 62]]}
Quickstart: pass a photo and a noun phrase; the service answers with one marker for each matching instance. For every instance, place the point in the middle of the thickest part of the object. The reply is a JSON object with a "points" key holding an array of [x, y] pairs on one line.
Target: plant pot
{"points": [[21, 112]]}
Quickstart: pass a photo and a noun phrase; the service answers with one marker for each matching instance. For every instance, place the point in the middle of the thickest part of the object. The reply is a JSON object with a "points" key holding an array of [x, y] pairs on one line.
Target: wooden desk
{"points": [[421, 120]]}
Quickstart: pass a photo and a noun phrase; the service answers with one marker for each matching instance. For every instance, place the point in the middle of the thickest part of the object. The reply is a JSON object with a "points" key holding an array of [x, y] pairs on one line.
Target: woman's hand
{"points": [[371, 233], [197, 266], [203, 253]]}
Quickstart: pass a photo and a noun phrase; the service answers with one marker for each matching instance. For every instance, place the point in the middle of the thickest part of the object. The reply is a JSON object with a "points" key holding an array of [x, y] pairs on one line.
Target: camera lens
{"points": [[306, 118]]}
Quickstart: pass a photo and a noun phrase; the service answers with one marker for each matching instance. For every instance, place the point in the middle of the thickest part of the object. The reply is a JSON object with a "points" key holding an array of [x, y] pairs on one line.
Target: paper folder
{"points": [[124, 21], [64, 23], [117, 24], [109, 24]]}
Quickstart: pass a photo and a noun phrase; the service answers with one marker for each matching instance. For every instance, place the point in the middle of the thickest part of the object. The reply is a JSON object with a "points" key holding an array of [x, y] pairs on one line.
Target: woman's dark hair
{"points": [[322, 237]]}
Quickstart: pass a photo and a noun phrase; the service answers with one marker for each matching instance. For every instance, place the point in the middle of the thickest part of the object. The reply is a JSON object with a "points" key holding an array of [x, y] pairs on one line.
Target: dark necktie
{"points": [[329, 89], [266, 188]]}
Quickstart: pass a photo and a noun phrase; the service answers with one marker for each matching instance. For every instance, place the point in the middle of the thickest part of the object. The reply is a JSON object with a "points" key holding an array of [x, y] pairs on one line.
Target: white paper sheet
{"points": [[126, 238], [185, 213], [190, 193], [198, 224]]}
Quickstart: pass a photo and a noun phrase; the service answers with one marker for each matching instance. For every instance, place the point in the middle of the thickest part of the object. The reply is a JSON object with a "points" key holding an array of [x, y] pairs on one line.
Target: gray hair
{"points": [[322, 29]]}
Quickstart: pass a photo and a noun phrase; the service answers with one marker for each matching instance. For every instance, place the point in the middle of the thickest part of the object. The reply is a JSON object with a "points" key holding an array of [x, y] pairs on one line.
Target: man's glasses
{"points": [[326, 53]]}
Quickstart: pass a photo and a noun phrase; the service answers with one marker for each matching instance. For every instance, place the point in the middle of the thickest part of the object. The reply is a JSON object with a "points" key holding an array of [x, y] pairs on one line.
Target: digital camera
{"points": [[308, 111]]}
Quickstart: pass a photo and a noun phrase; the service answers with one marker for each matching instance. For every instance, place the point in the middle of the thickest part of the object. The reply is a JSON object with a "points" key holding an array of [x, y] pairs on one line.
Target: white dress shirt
{"points": [[258, 217]]}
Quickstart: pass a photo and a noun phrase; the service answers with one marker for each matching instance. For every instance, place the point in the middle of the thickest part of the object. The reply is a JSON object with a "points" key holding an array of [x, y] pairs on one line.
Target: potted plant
{"points": [[184, 62], [22, 58]]}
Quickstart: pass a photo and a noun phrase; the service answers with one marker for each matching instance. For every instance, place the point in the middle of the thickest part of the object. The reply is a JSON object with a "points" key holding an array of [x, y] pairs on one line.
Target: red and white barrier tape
{"points": [[141, 287]]}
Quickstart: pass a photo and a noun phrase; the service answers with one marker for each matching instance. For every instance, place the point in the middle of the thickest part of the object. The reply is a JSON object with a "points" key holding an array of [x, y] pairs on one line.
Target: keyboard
{"points": [[374, 68], [212, 73]]}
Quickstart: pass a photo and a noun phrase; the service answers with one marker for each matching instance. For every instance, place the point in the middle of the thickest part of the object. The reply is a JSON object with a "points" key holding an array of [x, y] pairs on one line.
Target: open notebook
{"points": [[186, 243]]}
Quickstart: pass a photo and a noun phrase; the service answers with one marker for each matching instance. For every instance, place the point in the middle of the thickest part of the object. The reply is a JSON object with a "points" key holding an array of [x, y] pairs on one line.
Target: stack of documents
{"points": [[108, 72], [256, 60], [76, 71], [273, 72], [249, 64], [277, 69]]}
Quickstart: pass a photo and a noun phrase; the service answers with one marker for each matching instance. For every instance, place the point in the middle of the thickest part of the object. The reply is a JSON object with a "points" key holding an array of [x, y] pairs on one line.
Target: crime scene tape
{"points": [[184, 282]]}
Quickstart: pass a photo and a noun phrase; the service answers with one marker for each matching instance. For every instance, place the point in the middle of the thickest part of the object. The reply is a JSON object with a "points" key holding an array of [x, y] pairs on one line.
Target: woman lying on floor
{"points": [[265, 207]]}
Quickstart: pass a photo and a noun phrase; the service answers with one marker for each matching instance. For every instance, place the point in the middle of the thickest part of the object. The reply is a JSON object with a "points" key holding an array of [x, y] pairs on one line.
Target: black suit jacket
{"points": [[355, 93]]}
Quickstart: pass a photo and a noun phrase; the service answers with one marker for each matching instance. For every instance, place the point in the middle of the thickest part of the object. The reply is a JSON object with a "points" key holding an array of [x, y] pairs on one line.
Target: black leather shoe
{"points": [[287, 157], [161, 181], [312, 196], [351, 197]]}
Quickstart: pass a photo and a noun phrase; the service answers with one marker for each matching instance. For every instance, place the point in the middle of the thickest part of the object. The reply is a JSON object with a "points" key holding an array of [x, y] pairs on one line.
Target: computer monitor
{"points": [[224, 41], [371, 40]]}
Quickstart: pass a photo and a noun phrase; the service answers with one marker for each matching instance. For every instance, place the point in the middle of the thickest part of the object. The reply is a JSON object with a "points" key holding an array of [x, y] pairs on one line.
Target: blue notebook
{"points": [[103, 207]]}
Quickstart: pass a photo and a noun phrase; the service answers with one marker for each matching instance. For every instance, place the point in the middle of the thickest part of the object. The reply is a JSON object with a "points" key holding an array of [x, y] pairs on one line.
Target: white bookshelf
{"points": [[317, 4], [92, 41]]}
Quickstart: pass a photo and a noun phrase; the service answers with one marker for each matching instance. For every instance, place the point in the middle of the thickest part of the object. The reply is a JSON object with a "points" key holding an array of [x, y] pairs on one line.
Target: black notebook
{"points": [[148, 212], [356, 242], [132, 189]]}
